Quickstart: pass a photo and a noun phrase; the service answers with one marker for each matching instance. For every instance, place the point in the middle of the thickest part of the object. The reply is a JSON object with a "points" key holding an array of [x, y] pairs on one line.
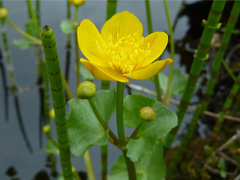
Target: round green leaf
{"points": [[67, 26], [150, 132], [150, 167], [178, 83], [84, 128]]}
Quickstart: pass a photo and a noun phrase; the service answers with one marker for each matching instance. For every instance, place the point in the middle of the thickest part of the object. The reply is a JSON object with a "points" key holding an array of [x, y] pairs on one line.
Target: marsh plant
{"points": [[116, 54]]}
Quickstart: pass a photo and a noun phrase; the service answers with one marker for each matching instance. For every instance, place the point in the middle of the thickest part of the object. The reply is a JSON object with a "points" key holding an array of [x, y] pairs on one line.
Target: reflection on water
{"points": [[21, 114]]}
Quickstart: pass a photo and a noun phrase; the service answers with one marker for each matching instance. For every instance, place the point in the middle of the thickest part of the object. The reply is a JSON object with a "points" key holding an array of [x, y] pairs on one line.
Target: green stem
{"points": [[135, 132], [158, 88], [178, 14], [149, 17], [172, 50], [226, 106], [49, 136], [55, 77], [75, 174], [67, 89], [38, 12], [121, 133], [150, 30], [111, 10], [187, 137], [120, 124], [130, 167], [37, 41], [38, 50], [236, 105], [76, 45], [100, 119], [46, 92], [8, 58], [228, 69], [198, 62], [88, 163], [35, 21]]}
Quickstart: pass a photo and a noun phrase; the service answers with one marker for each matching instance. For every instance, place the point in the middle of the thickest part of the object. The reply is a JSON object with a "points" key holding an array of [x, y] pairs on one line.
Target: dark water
{"points": [[16, 160]]}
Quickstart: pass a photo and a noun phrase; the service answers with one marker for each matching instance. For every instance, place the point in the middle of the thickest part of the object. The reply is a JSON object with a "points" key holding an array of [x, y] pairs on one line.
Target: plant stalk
{"points": [[172, 50], [121, 133], [59, 104], [150, 30], [198, 62], [102, 122], [76, 45], [37, 41]]}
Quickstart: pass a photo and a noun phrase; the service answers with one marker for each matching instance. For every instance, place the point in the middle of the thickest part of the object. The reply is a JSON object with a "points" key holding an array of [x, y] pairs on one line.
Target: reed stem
{"points": [[198, 62], [211, 84], [55, 77], [226, 106]]}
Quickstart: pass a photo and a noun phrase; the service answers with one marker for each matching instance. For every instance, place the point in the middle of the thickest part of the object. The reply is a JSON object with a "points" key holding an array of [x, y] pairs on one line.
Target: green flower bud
{"points": [[77, 2], [75, 25], [3, 13], [86, 90], [52, 113], [46, 128], [147, 114]]}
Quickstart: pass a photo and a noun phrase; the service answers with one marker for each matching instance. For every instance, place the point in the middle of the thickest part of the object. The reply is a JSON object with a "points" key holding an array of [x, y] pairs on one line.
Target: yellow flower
{"points": [[120, 51], [77, 2]]}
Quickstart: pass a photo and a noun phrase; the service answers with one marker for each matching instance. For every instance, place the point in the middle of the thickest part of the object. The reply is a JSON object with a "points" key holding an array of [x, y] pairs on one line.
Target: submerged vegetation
{"points": [[148, 131]]}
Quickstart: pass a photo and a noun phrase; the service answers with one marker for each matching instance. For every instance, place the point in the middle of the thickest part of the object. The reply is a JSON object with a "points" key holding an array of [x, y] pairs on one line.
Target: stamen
{"points": [[126, 53]]}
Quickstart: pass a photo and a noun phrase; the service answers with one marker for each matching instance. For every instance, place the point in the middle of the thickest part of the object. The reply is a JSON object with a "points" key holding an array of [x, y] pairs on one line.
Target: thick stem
{"points": [[198, 62], [121, 133], [120, 124], [59, 104], [111, 10]]}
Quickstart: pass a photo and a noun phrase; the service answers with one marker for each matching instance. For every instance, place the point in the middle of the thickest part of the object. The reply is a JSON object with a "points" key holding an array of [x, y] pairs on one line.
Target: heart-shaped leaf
{"points": [[67, 26], [150, 132], [84, 128], [24, 42], [178, 83], [151, 166]]}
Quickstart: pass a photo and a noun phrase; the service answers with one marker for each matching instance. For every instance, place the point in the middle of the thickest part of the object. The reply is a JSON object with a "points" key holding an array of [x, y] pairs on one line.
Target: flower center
{"points": [[125, 53]]}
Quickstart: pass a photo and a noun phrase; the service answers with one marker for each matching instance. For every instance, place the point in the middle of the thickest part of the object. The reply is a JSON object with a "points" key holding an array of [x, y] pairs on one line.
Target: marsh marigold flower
{"points": [[120, 51]]}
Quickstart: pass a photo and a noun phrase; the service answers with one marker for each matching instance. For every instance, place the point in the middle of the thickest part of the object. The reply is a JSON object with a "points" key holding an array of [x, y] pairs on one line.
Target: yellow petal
{"points": [[103, 73], [90, 42], [150, 70], [157, 42], [120, 25]]}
